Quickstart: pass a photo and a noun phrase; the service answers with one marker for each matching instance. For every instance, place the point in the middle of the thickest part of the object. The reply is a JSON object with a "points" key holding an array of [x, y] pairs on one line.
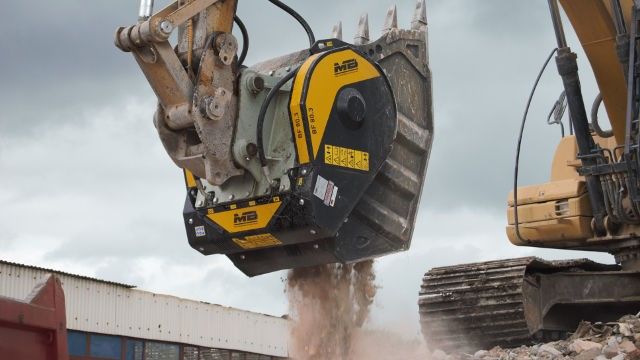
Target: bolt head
{"points": [[201, 249], [190, 221], [242, 257], [166, 26], [301, 202], [251, 149], [231, 197], [255, 83], [312, 232], [213, 107], [304, 172], [315, 246]]}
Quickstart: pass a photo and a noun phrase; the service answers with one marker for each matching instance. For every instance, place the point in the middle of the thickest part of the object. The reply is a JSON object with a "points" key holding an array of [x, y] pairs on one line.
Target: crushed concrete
{"points": [[618, 340]]}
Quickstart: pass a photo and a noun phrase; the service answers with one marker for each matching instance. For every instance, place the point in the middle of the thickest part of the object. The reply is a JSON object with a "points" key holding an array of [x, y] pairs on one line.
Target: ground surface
{"points": [[619, 340]]}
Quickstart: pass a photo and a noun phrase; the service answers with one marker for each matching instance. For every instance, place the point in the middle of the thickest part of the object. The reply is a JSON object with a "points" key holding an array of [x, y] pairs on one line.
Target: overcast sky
{"points": [[86, 187]]}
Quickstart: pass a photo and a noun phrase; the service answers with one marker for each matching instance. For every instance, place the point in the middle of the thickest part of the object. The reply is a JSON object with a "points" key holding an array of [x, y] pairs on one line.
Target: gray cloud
{"points": [[484, 63]]}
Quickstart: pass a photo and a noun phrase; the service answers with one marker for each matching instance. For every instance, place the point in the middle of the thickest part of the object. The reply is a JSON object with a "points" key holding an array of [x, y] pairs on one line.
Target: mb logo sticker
{"points": [[347, 66], [245, 218]]}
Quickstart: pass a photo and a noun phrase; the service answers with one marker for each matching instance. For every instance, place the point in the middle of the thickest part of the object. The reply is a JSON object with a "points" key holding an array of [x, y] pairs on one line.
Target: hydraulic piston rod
{"points": [[146, 9], [568, 69]]}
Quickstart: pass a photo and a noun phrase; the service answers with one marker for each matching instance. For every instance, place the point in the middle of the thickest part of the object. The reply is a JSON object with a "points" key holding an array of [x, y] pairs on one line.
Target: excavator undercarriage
{"points": [[521, 301]]}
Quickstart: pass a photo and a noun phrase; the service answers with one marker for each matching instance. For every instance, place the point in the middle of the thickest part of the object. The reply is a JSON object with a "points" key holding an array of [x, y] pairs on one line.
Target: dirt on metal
{"points": [[329, 303]]}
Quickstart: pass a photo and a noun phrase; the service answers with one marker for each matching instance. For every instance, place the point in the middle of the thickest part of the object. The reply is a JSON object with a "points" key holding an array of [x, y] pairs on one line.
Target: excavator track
{"points": [[511, 303], [474, 305]]}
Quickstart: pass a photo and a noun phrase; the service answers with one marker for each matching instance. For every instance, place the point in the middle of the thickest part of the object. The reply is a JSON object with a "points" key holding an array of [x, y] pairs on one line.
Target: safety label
{"points": [[257, 241], [347, 158], [326, 191]]}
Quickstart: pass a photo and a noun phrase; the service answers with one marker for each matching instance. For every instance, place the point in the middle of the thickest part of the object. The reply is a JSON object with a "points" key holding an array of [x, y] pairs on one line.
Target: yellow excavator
{"points": [[310, 158], [592, 203], [320, 156]]}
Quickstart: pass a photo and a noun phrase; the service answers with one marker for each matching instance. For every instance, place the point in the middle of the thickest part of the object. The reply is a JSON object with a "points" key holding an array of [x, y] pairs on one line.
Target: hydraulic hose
{"points": [[301, 20], [594, 119], [263, 112], [245, 40], [518, 148]]}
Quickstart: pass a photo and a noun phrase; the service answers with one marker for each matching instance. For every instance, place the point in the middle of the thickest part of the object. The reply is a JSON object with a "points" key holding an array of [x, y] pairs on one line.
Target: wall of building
{"points": [[96, 306], [88, 346]]}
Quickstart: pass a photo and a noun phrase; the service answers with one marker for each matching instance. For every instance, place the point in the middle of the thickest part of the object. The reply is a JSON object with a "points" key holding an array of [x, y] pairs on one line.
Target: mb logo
{"points": [[245, 218], [345, 67]]}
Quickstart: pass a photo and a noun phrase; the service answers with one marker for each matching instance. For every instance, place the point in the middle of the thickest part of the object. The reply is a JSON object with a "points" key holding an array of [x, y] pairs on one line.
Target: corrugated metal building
{"points": [[108, 320]]}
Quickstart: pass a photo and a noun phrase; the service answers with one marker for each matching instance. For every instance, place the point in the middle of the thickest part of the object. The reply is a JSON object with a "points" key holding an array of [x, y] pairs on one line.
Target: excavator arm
{"points": [[212, 89]]}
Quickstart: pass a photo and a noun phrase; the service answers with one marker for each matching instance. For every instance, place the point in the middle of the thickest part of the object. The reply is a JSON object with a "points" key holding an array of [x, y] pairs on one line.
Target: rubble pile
{"points": [[617, 341]]}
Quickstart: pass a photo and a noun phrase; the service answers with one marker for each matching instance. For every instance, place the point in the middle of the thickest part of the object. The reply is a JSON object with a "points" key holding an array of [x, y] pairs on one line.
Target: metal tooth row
{"points": [[418, 23]]}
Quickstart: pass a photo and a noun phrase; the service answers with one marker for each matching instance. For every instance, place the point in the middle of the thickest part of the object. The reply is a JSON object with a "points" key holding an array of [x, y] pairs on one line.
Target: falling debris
{"points": [[370, 344], [617, 340], [328, 304]]}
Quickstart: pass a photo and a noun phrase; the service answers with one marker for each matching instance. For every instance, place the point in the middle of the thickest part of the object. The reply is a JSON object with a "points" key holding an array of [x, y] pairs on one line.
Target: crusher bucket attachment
{"points": [[312, 158], [515, 302]]}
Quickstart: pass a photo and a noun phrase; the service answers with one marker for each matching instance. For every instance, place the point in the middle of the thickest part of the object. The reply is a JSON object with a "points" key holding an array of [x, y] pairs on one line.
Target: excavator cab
{"points": [[310, 158], [555, 212]]}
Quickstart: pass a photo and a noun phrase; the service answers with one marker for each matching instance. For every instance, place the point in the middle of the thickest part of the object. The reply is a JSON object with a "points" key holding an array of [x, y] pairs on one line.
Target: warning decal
{"points": [[257, 241], [347, 158], [326, 191]]}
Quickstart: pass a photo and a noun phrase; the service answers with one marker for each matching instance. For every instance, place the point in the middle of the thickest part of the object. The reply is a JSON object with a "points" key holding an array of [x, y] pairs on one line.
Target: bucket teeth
{"points": [[391, 22], [419, 21], [362, 36], [337, 31]]}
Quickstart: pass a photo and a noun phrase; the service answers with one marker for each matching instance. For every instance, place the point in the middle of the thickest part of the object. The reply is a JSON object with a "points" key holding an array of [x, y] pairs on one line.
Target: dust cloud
{"points": [[329, 305]]}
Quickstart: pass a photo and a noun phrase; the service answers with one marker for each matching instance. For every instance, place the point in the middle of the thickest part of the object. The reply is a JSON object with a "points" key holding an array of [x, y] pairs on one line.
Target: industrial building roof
{"points": [[104, 307], [52, 271]]}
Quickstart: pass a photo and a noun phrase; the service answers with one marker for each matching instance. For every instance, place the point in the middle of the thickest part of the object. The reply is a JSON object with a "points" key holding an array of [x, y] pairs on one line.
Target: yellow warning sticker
{"points": [[347, 158], [257, 241]]}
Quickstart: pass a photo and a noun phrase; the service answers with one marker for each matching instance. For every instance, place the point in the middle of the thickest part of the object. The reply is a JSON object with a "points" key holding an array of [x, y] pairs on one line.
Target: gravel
{"points": [[618, 340]]}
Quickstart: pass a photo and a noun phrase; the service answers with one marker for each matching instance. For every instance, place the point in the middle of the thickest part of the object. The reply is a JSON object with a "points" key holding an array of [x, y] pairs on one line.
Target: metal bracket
{"points": [[196, 117]]}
